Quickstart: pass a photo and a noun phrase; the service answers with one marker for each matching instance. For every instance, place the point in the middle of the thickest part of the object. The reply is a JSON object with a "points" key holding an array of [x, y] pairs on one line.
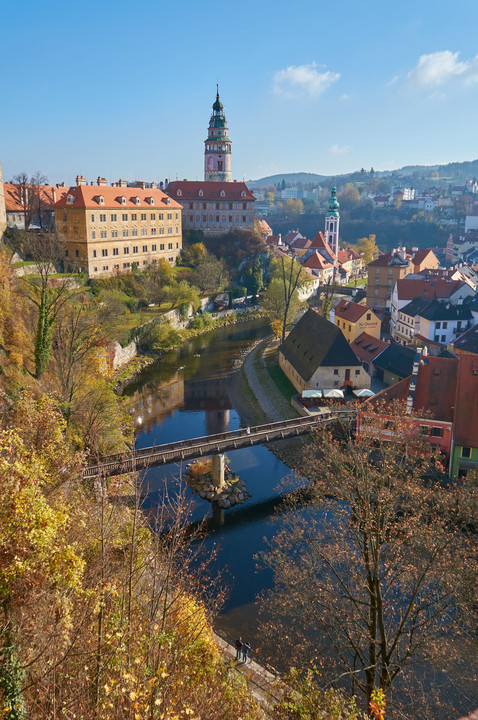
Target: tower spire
{"points": [[332, 218], [217, 152]]}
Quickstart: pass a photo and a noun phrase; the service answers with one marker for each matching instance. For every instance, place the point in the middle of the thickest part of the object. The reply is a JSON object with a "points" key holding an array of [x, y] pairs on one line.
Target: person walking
{"points": [[245, 651], [238, 645]]}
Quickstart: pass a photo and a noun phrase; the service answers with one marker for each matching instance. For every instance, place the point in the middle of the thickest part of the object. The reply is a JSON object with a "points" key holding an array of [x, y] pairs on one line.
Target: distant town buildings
{"points": [[107, 229], [354, 319], [389, 267]]}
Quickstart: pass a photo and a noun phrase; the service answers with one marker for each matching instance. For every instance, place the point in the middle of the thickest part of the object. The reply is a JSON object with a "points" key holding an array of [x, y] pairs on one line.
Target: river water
{"points": [[186, 395]]}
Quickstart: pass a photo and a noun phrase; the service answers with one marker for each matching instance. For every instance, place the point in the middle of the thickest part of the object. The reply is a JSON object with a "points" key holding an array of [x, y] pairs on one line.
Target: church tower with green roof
{"points": [[217, 152], [332, 218]]}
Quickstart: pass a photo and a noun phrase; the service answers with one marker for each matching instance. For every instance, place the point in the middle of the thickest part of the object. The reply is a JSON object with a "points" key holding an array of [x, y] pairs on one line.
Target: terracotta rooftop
{"points": [[367, 348], [317, 262], [49, 195], [351, 311], [291, 236], [466, 421], [300, 243], [89, 196], [468, 342], [211, 190], [428, 286]]}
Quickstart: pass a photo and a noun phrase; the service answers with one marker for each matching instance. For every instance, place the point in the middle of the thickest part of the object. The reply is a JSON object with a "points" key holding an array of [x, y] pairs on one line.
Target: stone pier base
{"points": [[218, 467]]}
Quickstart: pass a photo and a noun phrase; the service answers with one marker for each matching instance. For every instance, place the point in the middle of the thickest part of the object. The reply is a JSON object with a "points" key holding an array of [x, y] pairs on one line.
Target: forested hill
{"points": [[454, 172]]}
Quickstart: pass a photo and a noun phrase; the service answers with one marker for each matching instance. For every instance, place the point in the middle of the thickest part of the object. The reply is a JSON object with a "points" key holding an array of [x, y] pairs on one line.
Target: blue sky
{"points": [[123, 89]]}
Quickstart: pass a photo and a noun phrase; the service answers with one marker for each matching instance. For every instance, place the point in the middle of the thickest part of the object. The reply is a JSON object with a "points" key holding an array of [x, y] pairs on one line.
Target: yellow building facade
{"points": [[107, 229], [354, 319]]}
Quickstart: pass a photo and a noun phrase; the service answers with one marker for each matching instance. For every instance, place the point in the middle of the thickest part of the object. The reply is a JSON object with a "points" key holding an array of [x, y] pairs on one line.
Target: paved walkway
{"points": [[264, 389], [263, 683]]}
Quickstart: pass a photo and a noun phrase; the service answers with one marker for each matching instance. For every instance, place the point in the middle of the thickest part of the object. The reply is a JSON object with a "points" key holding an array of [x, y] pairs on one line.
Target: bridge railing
{"points": [[219, 442]]}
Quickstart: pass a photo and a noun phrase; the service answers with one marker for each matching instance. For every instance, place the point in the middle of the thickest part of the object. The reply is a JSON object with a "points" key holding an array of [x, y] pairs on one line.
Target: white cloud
{"points": [[392, 81], [443, 67], [297, 80], [346, 96], [337, 150]]}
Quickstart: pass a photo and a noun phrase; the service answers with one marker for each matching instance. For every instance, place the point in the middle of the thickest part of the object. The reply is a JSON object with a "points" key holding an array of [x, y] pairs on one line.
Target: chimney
{"points": [[53, 192], [101, 181], [80, 180], [153, 186], [122, 183], [161, 185]]}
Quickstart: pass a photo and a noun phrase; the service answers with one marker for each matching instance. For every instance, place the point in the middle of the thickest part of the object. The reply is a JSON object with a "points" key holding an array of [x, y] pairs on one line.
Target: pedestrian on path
{"points": [[248, 430], [238, 648], [245, 652]]}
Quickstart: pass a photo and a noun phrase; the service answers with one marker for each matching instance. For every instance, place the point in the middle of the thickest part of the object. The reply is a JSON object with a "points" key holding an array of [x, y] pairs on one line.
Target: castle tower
{"points": [[332, 218], [3, 212], [217, 152]]}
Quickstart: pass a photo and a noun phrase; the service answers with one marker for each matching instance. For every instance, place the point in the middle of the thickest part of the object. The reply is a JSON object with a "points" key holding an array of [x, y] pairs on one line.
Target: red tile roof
{"points": [[300, 243], [273, 240], [88, 196], [347, 254], [317, 262], [433, 288], [466, 422], [265, 227], [320, 243], [351, 311], [367, 348], [190, 189], [49, 194], [291, 236], [435, 388]]}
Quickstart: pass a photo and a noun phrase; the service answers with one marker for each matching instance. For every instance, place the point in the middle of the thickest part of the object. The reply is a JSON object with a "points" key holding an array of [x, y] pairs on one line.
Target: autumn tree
{"points": [[368, 580], [293, 206], [46, 250], [349, 197], [367, 248], [281, 300], [210, 274]]}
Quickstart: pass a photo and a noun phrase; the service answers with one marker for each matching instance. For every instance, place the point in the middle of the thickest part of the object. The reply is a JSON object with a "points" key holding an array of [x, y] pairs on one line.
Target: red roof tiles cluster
{"points": [[49, 195], [89, 196], [428, 287], [367, 348], [211, 190], [351, 311]]}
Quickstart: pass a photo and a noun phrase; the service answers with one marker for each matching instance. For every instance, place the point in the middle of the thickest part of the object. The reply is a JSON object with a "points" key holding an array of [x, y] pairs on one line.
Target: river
{"points": [[186, 395]]}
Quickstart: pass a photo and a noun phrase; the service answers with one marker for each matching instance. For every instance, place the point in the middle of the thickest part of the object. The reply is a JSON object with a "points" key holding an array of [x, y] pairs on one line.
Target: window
{"points": [[105, 267], [104, 252], [153, 231], [170, 246], [369, 316], [125, 233], [64, 217], [357, 372], [126, 251], [134, 216], [424, 430], [445, 325], [336, 383], [437, 338], [134, 233], [114, 217], [438, 325], [102, 217], [94, 253], [145, 248], [66, 253], [124, 217], [161, 230], [126, 265], [77, 253], [243, 218], [466, 452], [153, 216], [143, 216], [177, 246], [170, 216], [170, 230], [115, 251], [161, 247], [114, 233], [92, 218], [135, 248], [144, 231], [153, 248], [93, 235], [95, 269], [436, 431], [443, 338], [336, 372], [350, 328], [161, 216], [103, 234]]}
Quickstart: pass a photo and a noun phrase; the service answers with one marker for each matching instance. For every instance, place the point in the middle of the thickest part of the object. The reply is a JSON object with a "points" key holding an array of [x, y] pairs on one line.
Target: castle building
{"points": [[107, 229], [217, 151]]}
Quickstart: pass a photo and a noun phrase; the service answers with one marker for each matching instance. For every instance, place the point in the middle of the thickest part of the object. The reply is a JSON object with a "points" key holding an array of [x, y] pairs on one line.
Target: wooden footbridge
{"points": [[176, 452]]}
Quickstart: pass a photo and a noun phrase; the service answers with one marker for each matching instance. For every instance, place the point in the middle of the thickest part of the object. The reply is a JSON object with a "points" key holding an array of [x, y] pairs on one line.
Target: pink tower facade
{"points": [[217, 152]]}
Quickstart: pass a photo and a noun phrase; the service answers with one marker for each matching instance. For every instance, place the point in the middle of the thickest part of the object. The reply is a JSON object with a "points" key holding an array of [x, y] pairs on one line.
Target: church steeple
{"points": [[217, 152], [332, 218]]}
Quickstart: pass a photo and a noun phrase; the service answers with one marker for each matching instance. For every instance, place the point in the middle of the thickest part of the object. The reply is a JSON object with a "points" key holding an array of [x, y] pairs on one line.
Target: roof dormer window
{"points": [[137, 200], [101, 200], [179, 193], [222, 193], [70, 199], [150, 200], [200, 193], [243, 193], [123, 200]]}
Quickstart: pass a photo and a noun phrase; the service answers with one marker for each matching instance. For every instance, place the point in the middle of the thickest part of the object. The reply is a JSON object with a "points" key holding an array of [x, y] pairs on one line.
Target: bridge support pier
{"points": [[218, 467], [218, 514]]}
